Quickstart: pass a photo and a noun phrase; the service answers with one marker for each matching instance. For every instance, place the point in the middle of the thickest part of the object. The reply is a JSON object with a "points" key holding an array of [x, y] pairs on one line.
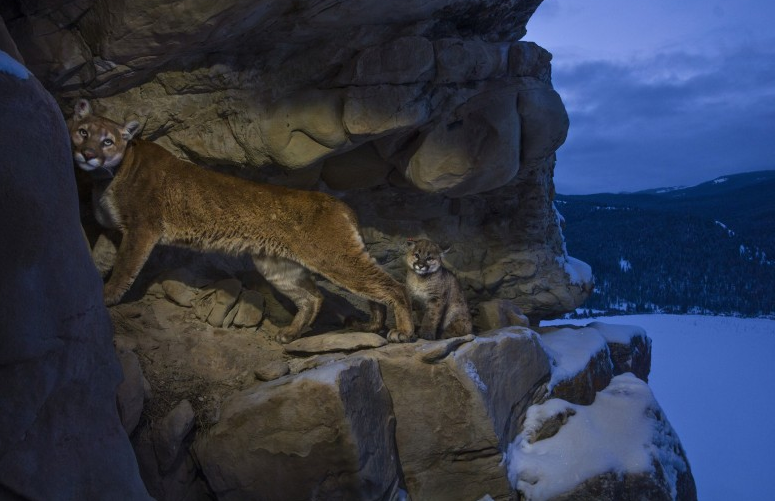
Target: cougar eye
{"points": [[83, 132], [107, 142], [417, 255]]}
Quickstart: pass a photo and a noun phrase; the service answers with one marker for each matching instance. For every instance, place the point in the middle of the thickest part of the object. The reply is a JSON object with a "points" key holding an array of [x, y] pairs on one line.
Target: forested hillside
{"points": [[708, 248]]}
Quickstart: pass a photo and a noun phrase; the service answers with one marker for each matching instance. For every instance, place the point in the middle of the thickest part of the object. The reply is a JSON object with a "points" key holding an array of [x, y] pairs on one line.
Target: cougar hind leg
{"points": [[293, 281], [362, 276], [376, 321]]}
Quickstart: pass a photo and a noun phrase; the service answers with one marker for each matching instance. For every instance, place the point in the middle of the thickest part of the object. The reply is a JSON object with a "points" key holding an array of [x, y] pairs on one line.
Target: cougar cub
{"points": [[437, 290]]}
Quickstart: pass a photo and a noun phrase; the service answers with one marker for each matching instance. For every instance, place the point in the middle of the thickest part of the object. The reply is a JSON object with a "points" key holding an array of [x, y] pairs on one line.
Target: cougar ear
{"points": [[130, 129], [445, 248], [82, 109], [410, 243]]}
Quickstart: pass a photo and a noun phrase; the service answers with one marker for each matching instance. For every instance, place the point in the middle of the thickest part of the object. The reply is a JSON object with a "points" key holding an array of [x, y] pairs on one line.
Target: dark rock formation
{"points": [[60, 433], [433, 113]]}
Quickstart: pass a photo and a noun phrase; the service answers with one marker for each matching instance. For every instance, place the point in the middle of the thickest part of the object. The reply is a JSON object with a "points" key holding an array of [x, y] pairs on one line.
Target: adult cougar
{"points": [[152, 197]]}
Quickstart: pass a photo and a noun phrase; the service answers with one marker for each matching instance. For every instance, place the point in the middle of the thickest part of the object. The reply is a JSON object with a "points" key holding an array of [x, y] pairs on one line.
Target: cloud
{"points": [[674, 118]]}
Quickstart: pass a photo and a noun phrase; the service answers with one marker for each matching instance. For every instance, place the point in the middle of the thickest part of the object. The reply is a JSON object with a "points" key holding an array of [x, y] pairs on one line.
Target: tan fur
{"points": [[438, 292], [152, 197]]}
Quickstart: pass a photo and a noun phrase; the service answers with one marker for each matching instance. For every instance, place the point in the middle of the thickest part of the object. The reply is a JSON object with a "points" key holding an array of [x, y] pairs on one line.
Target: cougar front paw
{"points": [[396, 336], [286, 334], [111, 296]]}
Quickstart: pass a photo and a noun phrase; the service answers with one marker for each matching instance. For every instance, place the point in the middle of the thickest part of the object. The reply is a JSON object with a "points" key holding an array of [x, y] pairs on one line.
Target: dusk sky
{"points": [[660, 92]]}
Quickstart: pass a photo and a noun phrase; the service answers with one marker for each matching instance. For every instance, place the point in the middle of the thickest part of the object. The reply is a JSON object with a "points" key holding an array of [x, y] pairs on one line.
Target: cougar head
{"points": [[98, 143], [423, 256]]}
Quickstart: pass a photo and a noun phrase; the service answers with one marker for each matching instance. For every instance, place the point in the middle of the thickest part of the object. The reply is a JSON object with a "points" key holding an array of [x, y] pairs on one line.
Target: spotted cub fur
{"points": [[437, 291]]}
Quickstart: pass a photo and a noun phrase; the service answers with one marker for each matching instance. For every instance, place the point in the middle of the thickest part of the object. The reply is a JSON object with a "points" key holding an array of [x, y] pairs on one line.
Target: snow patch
{"points": [[618, 333], [13, 67], [579, 272], [617, 433], [624, 265], [670, 189], [570, 351], [723, 226], [720, 180], [470, 369]]}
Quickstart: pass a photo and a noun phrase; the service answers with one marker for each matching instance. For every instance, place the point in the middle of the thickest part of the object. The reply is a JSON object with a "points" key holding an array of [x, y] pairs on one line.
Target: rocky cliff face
{"points": [[430, 118]]}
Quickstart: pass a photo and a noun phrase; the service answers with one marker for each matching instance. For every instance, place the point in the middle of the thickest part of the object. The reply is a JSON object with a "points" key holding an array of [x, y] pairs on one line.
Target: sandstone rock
{"points": [[178, 287], [358, 168], [179, 482], [249, 309], [433, 351], [373, 111], [544, 123], [475, 150], [327, 433], [582, 364], [460, 61], [131, 392], [405, 60], [171, 432], [499, 313], [272, 371], [452, 421], [215, 302], [526, 59], [299, 365], [326, 343], [629, 346], [59, 368]]}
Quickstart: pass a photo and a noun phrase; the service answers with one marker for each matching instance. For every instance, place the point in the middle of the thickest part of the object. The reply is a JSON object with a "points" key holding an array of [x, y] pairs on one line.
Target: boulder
{"points": [[499, 313], [327, 433], [629, 346], [171, 432], [60, 435], [582, 364], [131, 392], [454, 415], [214, 302], [621, 447]]}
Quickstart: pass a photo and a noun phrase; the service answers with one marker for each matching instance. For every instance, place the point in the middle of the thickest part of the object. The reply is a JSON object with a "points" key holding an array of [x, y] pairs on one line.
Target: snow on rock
{"points": [[579, 272], [571, 350], [623, 433], [629, 347]]}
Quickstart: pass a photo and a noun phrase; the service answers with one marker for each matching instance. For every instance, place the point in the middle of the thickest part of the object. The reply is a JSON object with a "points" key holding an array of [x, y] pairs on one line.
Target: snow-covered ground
{"points": [[713, 377]]}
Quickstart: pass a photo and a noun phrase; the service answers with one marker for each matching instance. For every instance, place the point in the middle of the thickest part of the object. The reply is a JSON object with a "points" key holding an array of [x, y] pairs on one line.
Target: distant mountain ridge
{"points": [[708, 248]]}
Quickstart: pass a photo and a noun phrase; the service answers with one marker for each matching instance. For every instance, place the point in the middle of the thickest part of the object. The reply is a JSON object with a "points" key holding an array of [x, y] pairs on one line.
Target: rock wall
{"points": [[430, 118], [349, 416], [60, 434]]}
